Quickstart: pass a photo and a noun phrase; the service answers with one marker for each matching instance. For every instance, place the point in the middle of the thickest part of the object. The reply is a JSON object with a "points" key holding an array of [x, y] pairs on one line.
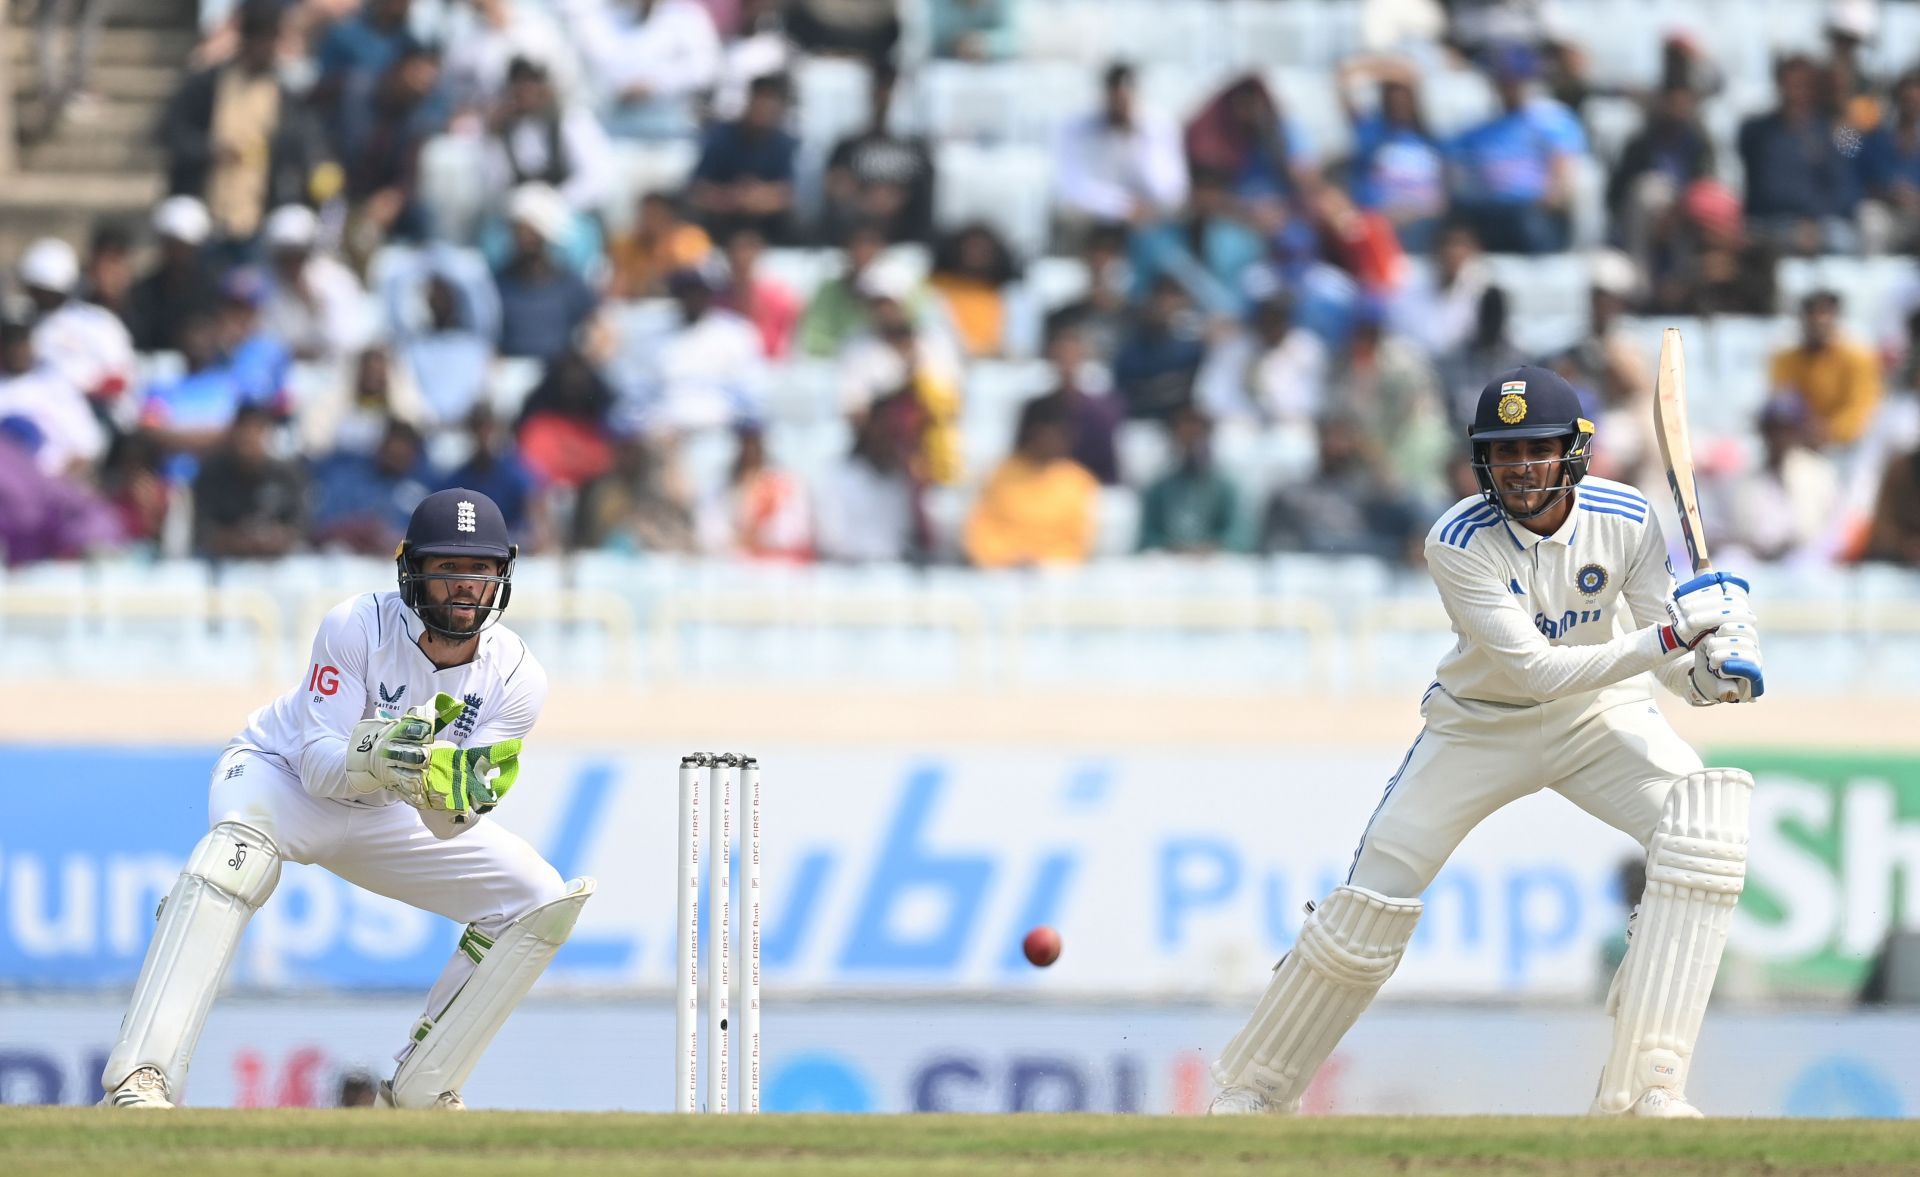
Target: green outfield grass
{"points": [[56, 1141]]}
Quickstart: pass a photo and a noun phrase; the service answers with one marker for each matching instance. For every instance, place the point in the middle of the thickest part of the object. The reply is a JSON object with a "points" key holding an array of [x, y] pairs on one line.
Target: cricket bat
{"points": [[1676, 449]]}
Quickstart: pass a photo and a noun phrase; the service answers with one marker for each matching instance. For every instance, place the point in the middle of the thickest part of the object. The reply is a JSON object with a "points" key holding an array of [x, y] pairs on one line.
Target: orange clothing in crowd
{"points": [[640, 268], [1840, 385], [1034, 513], [978, 311]]}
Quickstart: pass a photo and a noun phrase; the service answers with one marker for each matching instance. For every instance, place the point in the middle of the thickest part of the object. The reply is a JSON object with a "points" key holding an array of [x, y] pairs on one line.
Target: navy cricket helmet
{"points": [[1524, 404], [456, 522]]}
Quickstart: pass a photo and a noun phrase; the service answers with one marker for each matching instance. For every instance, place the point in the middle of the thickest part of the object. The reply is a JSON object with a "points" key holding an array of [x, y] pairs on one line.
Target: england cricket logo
{"points": [[464, 519]]}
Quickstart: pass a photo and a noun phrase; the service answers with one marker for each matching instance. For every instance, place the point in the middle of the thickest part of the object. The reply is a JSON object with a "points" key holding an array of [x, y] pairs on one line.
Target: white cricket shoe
{"points": [[145, 1088], [1239, 1101], [449, 1101], [1661, 1104]]}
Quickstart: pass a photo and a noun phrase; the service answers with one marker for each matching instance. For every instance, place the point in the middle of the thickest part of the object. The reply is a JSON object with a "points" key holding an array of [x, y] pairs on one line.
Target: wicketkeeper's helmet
{"points": [[456, 522]]}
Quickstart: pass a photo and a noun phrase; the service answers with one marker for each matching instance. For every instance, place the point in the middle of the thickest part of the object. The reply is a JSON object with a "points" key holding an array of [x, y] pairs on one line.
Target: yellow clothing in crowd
{"points": [[940, 441], [1839, 384], [1034, 513], [979, 313], [640, 268]]}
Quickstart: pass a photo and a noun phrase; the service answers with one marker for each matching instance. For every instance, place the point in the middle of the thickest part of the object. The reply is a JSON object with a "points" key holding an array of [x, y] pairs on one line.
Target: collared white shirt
{"points": [[69, 432], [1545, 618], [1102, 170]]}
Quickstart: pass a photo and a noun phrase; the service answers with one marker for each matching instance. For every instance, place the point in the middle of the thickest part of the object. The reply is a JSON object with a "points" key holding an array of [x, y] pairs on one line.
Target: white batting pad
{"points": [[1348, 948], [228, 876], [1696, 867], [445, 1051]]}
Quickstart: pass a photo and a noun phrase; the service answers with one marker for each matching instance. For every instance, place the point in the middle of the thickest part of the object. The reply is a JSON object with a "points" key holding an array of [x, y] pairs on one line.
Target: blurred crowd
{"points": [[302, 341]]}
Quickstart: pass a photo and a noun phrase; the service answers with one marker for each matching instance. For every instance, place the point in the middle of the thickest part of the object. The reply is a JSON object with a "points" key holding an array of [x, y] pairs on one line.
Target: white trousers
{"points": [[484, 876], [1472, 758]]}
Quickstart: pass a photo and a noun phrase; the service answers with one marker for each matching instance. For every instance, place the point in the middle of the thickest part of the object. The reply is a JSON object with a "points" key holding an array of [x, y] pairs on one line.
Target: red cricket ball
{"points": [[1042, 947]]}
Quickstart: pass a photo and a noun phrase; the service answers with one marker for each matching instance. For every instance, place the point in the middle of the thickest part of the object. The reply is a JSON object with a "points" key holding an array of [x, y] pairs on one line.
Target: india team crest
{"points": [[1590, 580], [1513, 402]]}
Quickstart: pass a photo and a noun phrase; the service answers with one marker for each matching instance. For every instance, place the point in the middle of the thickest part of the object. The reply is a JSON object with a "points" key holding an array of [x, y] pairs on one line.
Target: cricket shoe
{"points": [[448, 1101], [1659, 1103], [1239, 1101], [145, 1088]]}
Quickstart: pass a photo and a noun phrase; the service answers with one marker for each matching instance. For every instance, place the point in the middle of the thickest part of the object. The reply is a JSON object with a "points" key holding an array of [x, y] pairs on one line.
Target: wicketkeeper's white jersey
{"points": [[1544, 618], [366, 662]]}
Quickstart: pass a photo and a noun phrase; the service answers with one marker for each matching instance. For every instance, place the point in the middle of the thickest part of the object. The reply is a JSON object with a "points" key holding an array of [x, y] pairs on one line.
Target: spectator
{"points": [[659, 243], [1889, 173], [260, 363], [563, 430], [535, 138], [355, 51], [1513, 175], [352, 416], [1206, 249], [381, 136], [746, 169], [1244, 137], [1704, 262], [1800, 187], [449, 359], [1479, 29], [1438, 308], [1618, 369], [237, 137], [43, 517], [106, 277], [71, 440], [763, 301], [1084, 393], [1668, 154], [972, 268], [135, 484], [1398, 169], [867, 509], [1040, 506], [642, 504], [701, 367], [1893, 536], [838, 309], [1193, 509], [1119, 163], [64, 86], [762, 512], [879, 176], [181, 281], [1389, 389], [1787, 509], [543, 305], [192, 414], [493, 467], [653, 60], [854, 28], [759, 48], [1347, 508], [484, 38], [314, 304], [1156, 366], [248, 504], [896, 358], [1270, 373], [1361, 243], [361, 501], [972, 30], [1849, 96], [1837, 378], [1103, 312], [1463, 371], [84, 344]]}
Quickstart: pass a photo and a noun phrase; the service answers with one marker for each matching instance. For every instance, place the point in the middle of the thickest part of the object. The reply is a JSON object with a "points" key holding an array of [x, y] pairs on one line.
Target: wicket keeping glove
{"points": [[403, 755]]}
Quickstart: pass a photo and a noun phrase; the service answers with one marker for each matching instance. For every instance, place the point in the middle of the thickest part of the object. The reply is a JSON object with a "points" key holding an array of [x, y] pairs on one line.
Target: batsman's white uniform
{"points": [[1548, 687], [280, 791]]}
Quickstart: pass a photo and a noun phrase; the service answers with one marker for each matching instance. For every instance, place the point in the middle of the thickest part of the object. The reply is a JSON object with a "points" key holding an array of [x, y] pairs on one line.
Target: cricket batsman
{"points": [[1560, 591], [404, 731]]}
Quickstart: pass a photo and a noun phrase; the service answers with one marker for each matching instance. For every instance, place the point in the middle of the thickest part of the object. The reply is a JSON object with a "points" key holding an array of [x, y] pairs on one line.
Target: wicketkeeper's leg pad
{"points": [[1348, 948], [446, 1048], [228, 876], [1696, 869]]}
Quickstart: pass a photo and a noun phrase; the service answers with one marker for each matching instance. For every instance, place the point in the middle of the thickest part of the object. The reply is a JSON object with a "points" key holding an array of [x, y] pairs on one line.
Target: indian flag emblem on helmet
{"points": [[1513, 402]]}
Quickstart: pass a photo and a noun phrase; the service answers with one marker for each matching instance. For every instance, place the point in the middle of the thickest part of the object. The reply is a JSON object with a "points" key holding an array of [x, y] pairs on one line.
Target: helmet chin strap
{"points": [[1491, 490]]}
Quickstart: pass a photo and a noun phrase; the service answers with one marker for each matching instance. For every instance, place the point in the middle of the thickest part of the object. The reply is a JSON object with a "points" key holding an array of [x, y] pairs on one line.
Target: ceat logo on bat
{"points": [[324, 680]]}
